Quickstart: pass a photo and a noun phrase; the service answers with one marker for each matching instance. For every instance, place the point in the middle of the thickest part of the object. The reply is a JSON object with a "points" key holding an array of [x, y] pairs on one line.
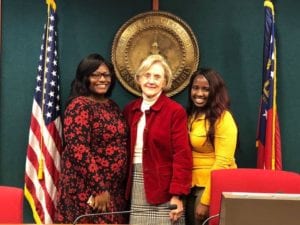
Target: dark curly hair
{"points": [[80, 85], [218, 100]]}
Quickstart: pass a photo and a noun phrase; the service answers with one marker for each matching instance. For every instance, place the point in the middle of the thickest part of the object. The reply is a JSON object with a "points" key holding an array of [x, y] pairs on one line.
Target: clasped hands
{"points": [[100, 202]]}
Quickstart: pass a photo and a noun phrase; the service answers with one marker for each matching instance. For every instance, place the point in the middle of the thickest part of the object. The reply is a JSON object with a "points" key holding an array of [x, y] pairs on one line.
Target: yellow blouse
{"points": [[206, 157]]}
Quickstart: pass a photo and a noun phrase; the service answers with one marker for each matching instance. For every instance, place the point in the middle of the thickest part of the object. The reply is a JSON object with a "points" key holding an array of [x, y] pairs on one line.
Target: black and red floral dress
{"points": [[94, 160]]}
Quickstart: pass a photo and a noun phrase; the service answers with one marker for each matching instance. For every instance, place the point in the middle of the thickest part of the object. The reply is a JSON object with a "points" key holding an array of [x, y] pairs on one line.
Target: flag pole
{"points": [[155, 5]]}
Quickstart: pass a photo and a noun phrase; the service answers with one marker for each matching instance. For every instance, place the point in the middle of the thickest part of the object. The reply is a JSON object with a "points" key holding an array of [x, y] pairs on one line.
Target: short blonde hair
{"points": [[148, 62]]}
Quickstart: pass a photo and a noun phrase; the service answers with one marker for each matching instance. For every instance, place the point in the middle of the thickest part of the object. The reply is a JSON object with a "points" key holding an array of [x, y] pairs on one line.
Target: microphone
{"points": [[170, 207]]}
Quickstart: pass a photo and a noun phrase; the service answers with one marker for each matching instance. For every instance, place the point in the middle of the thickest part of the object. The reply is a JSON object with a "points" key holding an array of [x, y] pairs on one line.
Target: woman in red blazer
{"points": [[160, 155]]}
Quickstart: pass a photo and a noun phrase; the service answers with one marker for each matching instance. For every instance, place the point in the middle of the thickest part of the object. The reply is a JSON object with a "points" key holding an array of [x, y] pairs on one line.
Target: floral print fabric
{"points": [[94, 160]]}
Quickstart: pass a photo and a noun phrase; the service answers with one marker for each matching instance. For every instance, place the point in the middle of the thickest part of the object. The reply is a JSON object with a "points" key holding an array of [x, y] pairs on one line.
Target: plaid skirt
{"points": [[143, 212]]}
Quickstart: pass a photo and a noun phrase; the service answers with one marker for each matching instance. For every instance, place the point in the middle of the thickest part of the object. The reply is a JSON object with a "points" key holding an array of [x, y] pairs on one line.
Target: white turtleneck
{"points": [[138, 149]]}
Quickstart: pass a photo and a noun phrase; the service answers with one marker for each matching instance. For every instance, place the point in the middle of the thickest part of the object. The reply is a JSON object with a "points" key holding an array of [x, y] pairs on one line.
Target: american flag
{"points": [[268, 133], [45, 134]]}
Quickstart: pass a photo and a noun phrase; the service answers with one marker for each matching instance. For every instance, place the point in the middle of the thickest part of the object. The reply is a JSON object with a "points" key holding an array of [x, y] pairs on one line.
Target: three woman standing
{"points": [[162, 168]]}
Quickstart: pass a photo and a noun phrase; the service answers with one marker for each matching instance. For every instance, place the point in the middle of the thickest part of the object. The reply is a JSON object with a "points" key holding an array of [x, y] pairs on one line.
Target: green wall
{"points": [[230, 38]]}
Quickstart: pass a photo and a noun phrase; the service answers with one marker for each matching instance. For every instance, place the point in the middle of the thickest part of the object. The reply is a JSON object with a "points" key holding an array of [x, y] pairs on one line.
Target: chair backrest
{"points": [[249, 180], [11, 204]]}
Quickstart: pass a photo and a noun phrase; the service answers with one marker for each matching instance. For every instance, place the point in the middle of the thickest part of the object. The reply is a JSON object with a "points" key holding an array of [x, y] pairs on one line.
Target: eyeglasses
{"points": [[100, 75]]}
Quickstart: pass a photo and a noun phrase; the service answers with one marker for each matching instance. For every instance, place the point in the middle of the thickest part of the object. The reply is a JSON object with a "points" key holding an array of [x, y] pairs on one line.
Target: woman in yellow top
{"points": [[213, 137]]}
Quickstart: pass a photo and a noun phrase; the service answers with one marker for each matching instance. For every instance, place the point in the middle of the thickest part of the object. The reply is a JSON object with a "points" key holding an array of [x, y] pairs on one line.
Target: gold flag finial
{"points": [[51, 3]]}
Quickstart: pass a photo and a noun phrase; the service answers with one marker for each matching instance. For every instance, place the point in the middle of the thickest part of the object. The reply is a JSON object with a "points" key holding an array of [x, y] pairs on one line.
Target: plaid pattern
{"points": [[144, 213]]}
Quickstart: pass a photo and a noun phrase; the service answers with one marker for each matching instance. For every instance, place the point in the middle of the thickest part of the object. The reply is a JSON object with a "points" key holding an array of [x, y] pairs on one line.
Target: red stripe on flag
{"points": [[55, 136], [278, 156], [269, 155], [269, 140], [32, 157]]}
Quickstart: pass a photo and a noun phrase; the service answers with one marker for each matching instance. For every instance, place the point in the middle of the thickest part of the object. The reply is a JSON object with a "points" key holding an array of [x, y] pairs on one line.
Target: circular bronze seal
{"points": [[155, 32]]}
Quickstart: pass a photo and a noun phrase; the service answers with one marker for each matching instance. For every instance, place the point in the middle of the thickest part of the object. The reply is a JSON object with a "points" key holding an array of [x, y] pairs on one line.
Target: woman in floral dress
{"points": [[94, 160]]}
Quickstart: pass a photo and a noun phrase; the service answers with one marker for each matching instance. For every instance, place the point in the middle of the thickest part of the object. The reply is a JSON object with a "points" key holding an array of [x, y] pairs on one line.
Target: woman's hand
{"points": [[202, 211], [175, 214], [101, 201]]}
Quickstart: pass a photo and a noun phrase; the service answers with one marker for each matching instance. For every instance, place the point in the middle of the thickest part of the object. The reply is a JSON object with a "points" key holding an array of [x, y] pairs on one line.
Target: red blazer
{"points": [[167, 156]]}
